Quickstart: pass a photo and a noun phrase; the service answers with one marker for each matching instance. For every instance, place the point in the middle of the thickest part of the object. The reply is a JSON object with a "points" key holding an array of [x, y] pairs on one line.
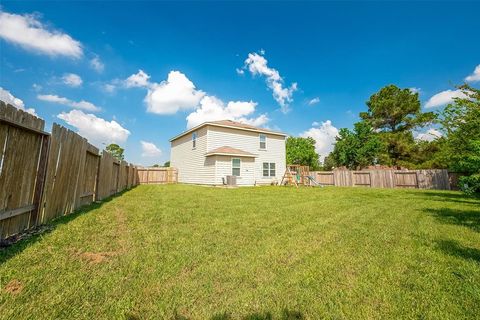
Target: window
{"points": [[236, 167], [265, 169], [194, 140], [269, 169], [272, 170], [263, 141]]}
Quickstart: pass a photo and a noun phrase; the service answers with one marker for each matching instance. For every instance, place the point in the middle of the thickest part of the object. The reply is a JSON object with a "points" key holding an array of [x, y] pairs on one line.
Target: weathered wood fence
{"points": [[43, 175], [421, 179], [157, 175]]}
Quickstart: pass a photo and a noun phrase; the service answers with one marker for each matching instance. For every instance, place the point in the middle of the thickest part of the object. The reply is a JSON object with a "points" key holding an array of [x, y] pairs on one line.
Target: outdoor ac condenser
{"points": [[231, 180]]}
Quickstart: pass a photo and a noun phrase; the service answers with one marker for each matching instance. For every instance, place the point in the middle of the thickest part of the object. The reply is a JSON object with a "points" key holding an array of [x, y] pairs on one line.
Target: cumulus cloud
{"points": [[314, 101], [9, 98], [97, 65], [324, 134], [257, 65], [430, 135], [444, 97], [29, 33], [139, 79], [475, 76], [174, 94], [178, 93], [213, 109], [97, 130], [150, 150], [83, 105], [72, 80]]}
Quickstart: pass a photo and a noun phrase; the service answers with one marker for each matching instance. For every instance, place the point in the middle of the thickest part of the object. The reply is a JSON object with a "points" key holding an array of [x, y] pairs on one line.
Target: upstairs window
{"points": [[269, 169], [194, 140], [236, 167], [263, 141]]}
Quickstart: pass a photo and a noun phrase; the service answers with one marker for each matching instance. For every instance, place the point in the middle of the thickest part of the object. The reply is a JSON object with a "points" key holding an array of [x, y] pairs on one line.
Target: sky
{"points": [[139, 73]]}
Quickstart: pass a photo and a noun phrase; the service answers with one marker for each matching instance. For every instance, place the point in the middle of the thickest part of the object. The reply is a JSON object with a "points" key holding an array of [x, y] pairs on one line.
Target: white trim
{"points": [[226, 126], [231, 154]]}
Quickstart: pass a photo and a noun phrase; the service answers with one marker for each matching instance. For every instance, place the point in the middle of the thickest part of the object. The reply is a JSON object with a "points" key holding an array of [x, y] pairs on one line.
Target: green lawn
{"points": [[191, 252]]}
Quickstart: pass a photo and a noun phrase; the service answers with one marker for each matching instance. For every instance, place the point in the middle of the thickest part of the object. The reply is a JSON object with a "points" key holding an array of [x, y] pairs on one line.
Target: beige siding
{"points": [[224, 168], [250, 142], [192, 165]]}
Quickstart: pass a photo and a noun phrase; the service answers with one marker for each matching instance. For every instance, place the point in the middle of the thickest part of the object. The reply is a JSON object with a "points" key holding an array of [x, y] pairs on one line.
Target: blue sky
{"points": [[303, 68]]}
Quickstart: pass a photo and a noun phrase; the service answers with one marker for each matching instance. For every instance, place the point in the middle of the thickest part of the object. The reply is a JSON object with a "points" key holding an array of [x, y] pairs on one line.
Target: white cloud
{"points": [[257, 65], [108, 87], [150, 150], [37, 87], [29, 33], [475, 76], [430, 135], [97, 65], [139, 79], [240, 71], [97, 130], [444, 97], [72, 79], [9, 98], [415, 90], [324, 135], [213, 109], [314, 101], [84, 105], [174, 94]]}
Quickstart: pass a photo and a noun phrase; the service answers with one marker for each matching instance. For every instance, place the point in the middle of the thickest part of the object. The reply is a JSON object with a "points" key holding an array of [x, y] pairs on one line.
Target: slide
{"points": [[312, 180]]}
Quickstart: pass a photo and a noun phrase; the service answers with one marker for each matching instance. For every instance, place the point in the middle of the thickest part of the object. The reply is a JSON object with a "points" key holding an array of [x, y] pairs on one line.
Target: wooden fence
{"points": [[157, 175], [421, 179], [43, 176]]}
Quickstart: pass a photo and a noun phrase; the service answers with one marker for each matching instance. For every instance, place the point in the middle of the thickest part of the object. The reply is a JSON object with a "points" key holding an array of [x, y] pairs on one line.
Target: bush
{"points": [[470, 184]]}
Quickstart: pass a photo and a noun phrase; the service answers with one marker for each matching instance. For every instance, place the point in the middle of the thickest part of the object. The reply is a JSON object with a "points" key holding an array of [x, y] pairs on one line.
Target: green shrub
{"points": [[470, 184]]}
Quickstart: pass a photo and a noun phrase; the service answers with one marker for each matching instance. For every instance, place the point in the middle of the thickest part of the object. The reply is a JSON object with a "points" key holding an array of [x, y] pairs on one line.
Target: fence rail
{"points": [[44, 176], [422, 179]]}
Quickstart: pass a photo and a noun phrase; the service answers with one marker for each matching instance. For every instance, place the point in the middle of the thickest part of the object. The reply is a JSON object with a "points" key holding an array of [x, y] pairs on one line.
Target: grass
{"points": [[186, 252]]}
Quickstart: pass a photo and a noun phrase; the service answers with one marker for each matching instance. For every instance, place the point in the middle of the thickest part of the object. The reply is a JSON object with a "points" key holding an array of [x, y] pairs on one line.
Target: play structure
{"points": [[298, 175]]}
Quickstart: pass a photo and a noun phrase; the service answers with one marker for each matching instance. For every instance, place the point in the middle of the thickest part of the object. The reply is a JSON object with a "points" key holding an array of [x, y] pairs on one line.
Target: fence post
{"points": [[40, 183]]}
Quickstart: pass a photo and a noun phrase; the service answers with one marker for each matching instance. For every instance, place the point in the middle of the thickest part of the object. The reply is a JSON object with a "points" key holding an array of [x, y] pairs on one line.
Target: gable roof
{"points": [[229, 151], [229, 124]]}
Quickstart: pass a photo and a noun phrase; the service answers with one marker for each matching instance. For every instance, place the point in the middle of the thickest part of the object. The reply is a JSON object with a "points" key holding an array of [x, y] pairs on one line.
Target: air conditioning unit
{"points": [[231, 180]]}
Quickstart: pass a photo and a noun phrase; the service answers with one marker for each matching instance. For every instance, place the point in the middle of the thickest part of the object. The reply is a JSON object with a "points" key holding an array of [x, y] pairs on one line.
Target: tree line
{"points": [[385, 135]]}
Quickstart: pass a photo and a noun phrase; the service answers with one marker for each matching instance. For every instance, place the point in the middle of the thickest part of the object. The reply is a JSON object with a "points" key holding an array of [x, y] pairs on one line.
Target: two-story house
{"points": [[207, 153]]}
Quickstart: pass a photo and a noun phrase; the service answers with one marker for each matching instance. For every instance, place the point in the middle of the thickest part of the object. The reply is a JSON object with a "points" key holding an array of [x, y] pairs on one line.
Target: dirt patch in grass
{"points": [[14, 287], [93, 257]]}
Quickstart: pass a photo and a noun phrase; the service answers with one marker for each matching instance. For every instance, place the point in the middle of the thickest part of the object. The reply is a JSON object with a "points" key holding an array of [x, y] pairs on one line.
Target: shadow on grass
{"points": [[447, 196], [287, 314], [465, 218], [455, 249], [29, 237]]}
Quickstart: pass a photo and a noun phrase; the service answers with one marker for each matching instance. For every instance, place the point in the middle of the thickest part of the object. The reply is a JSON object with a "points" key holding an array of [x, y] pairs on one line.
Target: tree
{"points": [[115, 150], [358, 148], [328, 163], [302, 151], [461, 125], [166, 164], [394, 113]]}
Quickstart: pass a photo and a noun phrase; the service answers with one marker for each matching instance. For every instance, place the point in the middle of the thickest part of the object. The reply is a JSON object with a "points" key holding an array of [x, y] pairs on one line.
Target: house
{"points": [[208, 153]]}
